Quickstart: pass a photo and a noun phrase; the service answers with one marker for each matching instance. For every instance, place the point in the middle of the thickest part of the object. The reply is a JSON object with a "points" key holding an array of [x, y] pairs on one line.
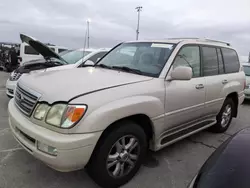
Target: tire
{"points": [[222, 125], [108, 146]]}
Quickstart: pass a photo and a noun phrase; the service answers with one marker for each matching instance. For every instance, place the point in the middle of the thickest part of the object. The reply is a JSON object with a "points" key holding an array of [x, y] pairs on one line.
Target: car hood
{"points": [[41, 48], [67, 84], [70, 66]]}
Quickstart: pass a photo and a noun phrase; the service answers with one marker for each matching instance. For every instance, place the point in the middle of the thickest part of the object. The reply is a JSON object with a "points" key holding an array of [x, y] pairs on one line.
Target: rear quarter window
{"points": [[231, 60]]}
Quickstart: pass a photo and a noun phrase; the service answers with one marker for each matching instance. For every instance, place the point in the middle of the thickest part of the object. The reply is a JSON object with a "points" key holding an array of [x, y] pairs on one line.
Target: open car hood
{"points": [[41, 48]]}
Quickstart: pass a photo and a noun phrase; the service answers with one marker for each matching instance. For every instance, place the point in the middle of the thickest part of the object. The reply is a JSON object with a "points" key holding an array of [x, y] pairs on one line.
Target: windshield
{"points": [[146, 57], [247, 70], [72, 56]]}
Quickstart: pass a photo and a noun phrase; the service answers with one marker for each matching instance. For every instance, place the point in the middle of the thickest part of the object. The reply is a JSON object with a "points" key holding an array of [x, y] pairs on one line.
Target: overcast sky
{"points": [[63, 22]]}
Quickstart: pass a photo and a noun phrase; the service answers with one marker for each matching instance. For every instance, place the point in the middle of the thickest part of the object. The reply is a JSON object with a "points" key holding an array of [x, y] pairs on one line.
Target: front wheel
{"points": [[118, 156], [225, 116]]}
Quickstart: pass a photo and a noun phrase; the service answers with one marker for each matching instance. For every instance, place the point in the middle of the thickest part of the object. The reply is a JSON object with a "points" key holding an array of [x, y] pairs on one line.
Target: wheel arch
{"points": [[141, 119], [234, 97]]}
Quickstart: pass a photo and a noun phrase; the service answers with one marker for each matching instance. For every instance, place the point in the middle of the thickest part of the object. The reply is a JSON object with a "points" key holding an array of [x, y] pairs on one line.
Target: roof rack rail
{"points": [[201, 39], [218, 41], [179, 38]]}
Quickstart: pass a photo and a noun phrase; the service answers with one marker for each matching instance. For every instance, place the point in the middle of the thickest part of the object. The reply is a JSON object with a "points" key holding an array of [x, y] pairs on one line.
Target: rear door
{"points": [[235, 77], [213, 72]]}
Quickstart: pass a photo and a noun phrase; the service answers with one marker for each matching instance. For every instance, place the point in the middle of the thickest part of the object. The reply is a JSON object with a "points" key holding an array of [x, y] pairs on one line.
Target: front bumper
{"points": [[73, 150], [10, 88]]}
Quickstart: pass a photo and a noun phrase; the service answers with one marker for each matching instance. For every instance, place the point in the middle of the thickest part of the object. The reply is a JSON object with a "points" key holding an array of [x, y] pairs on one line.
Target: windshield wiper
{"points": [[127, 69], [55, 61], [51, 62], [103, 66]]}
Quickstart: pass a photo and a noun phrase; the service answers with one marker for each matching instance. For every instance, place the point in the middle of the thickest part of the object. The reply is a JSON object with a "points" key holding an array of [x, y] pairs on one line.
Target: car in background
{"points": [[28, 53], [228, 166], [246, 68], [64, 60]]}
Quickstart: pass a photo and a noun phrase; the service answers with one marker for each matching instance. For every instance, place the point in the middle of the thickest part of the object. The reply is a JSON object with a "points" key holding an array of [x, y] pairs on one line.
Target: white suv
{"points": [[143, 94]]}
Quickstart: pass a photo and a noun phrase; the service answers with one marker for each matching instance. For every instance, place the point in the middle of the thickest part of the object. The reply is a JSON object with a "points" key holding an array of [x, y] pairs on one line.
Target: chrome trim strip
{"points": [[183, 109], [214, 101]]}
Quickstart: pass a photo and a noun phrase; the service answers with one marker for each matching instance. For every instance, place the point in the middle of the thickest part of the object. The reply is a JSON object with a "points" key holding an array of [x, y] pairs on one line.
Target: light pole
{"points": [[88, 21], [139, 9]]}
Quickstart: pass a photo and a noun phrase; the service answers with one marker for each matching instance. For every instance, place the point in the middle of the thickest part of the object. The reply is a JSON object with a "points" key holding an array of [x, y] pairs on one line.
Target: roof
{"points": [[93, 49], [191, 40]]}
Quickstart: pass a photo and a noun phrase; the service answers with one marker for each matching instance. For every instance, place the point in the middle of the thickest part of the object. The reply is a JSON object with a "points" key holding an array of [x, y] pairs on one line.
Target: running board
{"points": [[172, 138]]}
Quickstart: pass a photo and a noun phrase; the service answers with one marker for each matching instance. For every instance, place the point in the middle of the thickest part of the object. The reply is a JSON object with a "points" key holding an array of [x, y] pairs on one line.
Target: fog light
{"points": [[46, 149]]}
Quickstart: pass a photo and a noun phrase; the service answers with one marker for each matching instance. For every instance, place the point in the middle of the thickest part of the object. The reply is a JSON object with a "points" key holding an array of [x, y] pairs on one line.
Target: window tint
{"points": [[29, 50], [97, 56], [231, 60], [210, 61], [189, 56], [221, 65]]}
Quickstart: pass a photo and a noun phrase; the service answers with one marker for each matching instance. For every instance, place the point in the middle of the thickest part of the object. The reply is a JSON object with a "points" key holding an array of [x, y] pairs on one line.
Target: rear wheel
{"points": [[225, 116], [119, 155]]}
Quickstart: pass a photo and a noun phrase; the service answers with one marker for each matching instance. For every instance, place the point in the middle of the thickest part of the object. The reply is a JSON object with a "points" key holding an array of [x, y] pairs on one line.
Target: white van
{"points": [[28, 53]]}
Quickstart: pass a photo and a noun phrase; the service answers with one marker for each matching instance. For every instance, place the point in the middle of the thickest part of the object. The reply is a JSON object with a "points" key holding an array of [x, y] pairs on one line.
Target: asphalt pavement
{"points": [[172, 167]]}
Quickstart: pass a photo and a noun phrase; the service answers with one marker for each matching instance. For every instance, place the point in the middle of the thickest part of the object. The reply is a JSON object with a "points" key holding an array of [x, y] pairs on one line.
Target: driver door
{"points": [[185, 99]]}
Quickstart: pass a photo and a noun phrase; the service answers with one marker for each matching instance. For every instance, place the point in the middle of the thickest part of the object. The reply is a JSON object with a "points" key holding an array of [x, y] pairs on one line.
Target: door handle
{"points": [[199, 86], [224, 82]]}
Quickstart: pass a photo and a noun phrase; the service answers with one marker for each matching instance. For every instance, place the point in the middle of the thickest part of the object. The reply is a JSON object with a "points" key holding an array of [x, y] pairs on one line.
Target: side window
{"points": [[189, 56], [97, 56], [231, 60], [30, 51], [210, 61], [221, 65]]}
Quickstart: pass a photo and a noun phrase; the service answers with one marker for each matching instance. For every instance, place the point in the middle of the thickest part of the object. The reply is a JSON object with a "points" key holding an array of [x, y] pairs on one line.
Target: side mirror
{"points": [[182, 73], [89, 62]]}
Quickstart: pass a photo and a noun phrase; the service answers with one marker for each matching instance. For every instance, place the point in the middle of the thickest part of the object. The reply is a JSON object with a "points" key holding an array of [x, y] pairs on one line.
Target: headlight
{"points": [[15, 76], [60, 115], [55, 114], [12, 73], [41, 111]]}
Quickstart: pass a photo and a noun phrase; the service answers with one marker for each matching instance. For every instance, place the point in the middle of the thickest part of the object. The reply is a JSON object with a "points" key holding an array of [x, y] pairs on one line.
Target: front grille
{"points": [[11, 91], [25, 100], [15, 76]]}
